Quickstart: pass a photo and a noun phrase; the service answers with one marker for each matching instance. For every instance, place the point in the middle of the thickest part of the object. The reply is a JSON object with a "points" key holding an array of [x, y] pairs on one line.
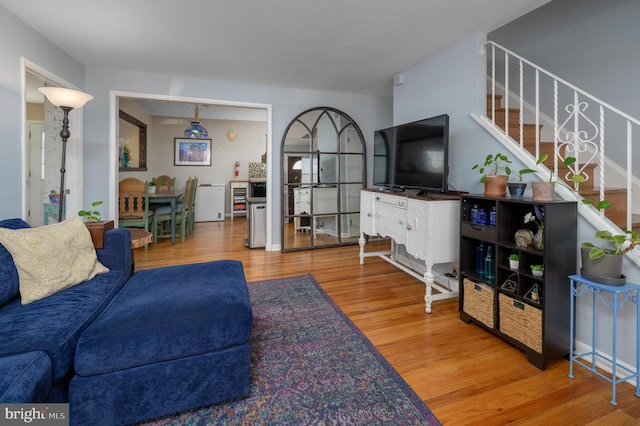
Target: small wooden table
{"points": [[140, 237]]}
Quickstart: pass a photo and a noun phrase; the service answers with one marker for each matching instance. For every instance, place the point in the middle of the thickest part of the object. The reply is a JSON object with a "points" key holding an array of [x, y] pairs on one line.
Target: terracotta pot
{"points": [[496, 185], [543, 191]]}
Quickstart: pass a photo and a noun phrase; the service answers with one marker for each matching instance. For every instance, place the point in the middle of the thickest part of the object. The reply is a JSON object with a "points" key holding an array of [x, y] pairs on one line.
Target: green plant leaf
{"points": [[596, 253], [542, 159]]}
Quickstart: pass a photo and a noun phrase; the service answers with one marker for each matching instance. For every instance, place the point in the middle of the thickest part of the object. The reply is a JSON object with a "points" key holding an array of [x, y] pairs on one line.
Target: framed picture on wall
{"points": [[192, 152]]}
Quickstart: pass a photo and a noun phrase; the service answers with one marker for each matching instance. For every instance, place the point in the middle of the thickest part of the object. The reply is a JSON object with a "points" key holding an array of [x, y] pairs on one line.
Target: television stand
{"points": [[391, 189], [429, 227]]}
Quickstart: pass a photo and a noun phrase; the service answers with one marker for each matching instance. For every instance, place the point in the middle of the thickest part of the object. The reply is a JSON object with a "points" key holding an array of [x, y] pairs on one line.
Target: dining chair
{"points": [[192, 209], [164, 183], [161, 227], [133, 205]]}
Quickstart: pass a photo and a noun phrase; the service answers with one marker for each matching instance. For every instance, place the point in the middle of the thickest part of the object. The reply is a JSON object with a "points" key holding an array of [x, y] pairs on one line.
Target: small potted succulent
{"points": [[152, 187], [537, 270], [514, 261]]}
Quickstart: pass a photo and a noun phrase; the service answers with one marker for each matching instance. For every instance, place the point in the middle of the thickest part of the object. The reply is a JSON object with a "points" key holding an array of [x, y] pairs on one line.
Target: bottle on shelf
{"points": [[480, 259], [489, 265], [474, 213], [482, 216], [492, 217]]}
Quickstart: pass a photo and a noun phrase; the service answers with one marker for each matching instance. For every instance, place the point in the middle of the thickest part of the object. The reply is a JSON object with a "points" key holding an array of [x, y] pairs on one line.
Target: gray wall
{"points": [[593, 44], [568, 37], [451, 82], [369, 112]]}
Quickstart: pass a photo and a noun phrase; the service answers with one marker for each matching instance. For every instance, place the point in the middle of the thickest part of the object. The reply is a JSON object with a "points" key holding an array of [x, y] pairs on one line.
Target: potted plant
{"points": [[125, 154], [537, 270], [152, 187], [516, 189], [604, 265], [543, 191], [54, 197], [91, 215], [96, 227], [514, 261], [495, 184]]}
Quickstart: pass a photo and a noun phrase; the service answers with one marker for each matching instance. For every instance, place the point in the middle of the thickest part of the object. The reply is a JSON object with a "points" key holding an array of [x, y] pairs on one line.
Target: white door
{"points": [[35, 174]]}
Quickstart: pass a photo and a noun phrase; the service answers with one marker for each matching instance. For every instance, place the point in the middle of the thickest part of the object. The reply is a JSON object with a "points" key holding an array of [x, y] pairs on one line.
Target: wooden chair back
{"points": [[164, 183], [133, 203], [192, 208], [160, 226]]}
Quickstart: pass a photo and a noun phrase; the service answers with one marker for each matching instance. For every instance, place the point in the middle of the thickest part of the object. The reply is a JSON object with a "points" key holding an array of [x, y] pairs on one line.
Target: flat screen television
{"points": [[413, 155]]}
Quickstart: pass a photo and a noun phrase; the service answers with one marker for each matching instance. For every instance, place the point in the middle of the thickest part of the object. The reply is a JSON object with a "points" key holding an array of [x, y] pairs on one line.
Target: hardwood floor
{"points": [[464, 374]]}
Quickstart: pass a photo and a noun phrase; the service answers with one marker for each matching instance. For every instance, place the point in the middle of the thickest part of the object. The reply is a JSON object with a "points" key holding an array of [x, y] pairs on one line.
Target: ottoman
{"points": [[174, 338]]}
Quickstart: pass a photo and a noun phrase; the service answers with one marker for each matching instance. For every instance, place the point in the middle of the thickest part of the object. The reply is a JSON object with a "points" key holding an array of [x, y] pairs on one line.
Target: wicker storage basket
{"points": [[479, 302], [521, 321]]}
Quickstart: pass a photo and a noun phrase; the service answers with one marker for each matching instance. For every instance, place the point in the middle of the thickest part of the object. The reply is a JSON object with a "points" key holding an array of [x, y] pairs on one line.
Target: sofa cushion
{"points": [[168, 313], [51, 258], [54, 324], [9, 281], [25, 377]]}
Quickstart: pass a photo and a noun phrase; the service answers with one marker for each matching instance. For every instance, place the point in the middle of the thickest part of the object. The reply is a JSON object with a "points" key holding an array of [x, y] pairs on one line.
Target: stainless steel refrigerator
{"points": [[256, 224]]}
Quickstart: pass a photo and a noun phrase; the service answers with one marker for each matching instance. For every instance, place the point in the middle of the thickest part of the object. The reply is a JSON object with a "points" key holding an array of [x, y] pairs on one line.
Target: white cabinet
{"points": [[366, 212], [427, 226]]}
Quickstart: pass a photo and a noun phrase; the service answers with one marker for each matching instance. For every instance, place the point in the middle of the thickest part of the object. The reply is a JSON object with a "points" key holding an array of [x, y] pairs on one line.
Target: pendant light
{"points": [[196, 130]]}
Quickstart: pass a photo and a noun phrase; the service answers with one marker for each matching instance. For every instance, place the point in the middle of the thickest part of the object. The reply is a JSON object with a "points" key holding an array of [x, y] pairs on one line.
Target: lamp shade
{"points": [[60, 96]]}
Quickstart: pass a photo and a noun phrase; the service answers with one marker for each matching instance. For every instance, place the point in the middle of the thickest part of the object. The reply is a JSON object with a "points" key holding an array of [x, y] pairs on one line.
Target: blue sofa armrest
{"points": [[116, 253]]}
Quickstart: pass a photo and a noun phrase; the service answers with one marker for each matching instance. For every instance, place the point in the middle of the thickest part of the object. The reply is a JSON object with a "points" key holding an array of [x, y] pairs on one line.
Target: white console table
{"points": [[428, 226]]}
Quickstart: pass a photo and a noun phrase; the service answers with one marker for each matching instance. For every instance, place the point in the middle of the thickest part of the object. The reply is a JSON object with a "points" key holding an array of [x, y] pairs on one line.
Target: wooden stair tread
{"points": [[616, 196]]}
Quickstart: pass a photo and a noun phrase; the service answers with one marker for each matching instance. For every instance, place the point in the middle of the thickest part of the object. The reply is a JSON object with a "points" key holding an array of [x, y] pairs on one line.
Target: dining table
{"points": [[163, 197]]}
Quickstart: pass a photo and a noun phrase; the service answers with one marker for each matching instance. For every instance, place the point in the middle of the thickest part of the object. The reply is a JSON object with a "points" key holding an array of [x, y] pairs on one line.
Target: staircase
{"points": [[616, 196]]}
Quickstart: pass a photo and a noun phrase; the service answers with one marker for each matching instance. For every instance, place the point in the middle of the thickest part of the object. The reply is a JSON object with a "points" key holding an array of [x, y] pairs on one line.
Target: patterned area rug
{"points": [[311, 365]]}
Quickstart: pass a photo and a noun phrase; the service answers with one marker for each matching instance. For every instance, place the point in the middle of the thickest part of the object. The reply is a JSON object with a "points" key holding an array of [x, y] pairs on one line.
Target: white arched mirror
{"points": [[323, 166]]}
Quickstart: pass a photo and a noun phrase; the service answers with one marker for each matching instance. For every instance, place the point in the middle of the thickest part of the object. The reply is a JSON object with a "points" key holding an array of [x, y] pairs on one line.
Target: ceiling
{"points": [[353, 46]]}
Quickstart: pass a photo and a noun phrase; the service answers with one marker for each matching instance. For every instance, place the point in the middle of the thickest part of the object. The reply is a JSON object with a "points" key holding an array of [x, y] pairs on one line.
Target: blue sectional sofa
{"points": [[121, 348], [54, 324]]}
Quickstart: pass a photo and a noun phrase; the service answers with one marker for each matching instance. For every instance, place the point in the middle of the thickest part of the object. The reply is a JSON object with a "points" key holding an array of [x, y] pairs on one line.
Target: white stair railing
{"points": [[577, 121], [575, 132]]}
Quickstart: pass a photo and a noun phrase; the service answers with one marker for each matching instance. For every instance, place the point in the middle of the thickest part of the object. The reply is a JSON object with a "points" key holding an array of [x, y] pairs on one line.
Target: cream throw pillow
{"points": [[51, 258]]}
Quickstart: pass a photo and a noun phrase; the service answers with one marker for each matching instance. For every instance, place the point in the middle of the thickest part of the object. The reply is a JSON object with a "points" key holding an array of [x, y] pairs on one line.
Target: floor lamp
{"points": [[66, 99]]}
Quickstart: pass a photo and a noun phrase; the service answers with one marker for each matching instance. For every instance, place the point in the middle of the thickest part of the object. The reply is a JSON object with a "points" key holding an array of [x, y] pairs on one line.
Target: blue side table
{"points": [[580, 286], [52, 209]]}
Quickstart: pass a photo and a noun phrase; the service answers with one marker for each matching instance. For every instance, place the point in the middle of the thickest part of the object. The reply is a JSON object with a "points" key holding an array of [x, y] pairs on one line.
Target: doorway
{"points": [[228, 106], [41, 146]]}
